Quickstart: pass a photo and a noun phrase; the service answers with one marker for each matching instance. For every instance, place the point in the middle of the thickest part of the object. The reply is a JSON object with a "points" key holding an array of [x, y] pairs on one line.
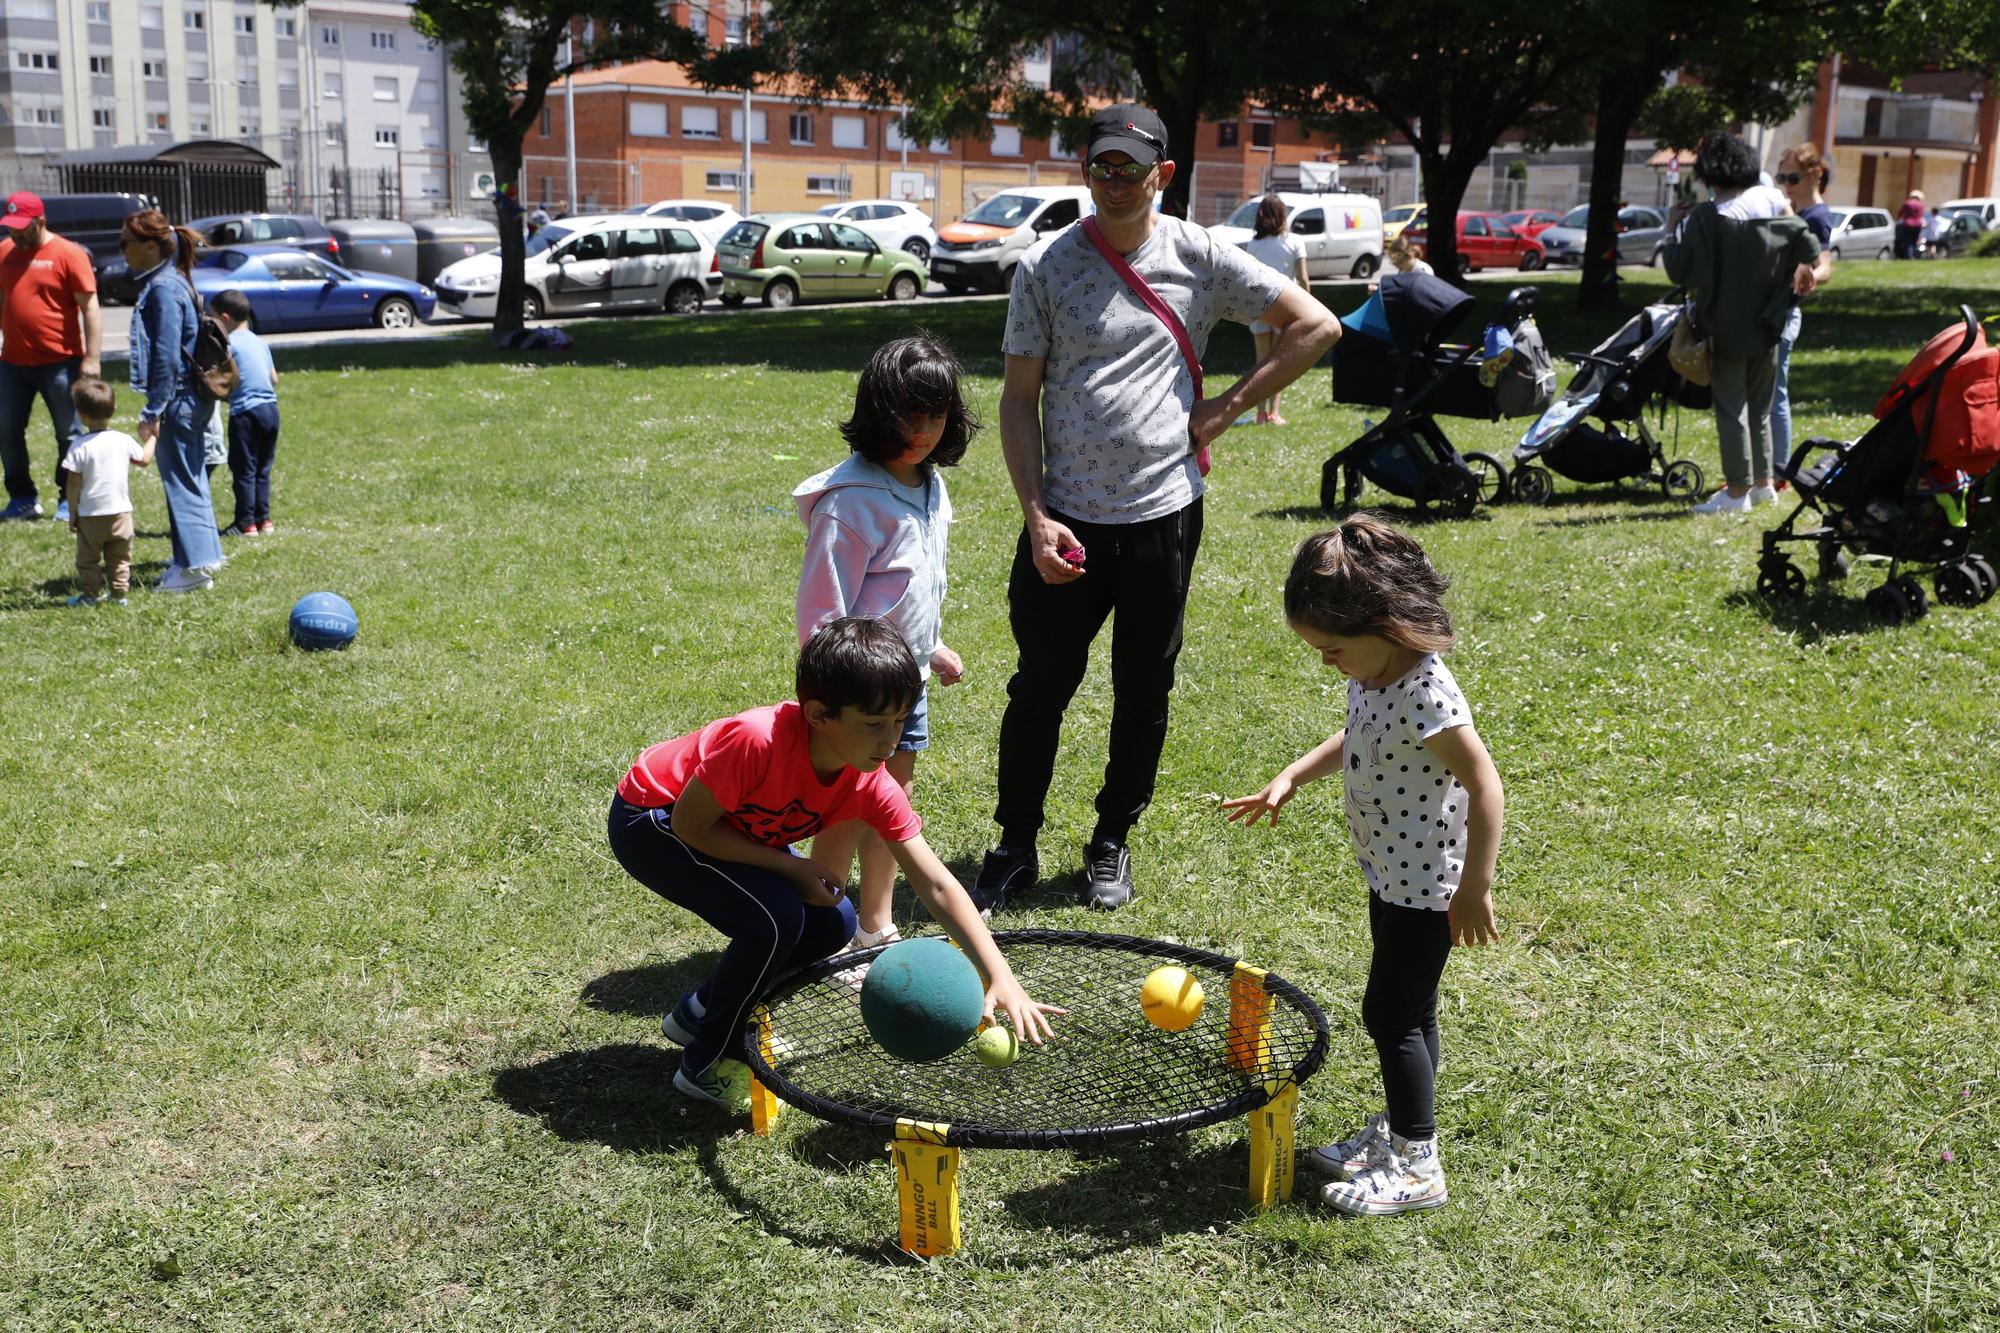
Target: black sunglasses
{"points": [[1789, 177], [1133, 172]]}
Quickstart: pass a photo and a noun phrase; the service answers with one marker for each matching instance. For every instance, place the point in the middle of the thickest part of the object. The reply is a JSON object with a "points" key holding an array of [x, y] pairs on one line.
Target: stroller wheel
{"points": [[1888, 603], [1780, 579], [1913, 593], [1833, 561], [1492, 478], [1445, 492], [1959, 585], [1532, 484], [1683, 480], [1982, 569]]}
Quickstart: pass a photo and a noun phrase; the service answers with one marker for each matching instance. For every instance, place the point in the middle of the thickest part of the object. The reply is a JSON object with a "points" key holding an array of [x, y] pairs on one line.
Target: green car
{"points": [[784, 258]]}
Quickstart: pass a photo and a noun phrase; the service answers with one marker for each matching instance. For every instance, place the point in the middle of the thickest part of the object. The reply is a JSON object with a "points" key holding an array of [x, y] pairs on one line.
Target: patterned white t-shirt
{"points": [[1405, 811], [1116, 391]]}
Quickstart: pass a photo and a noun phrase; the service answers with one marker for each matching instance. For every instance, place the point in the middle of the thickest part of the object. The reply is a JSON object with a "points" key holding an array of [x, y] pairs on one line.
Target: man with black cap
{"points": [[50, 336], [1101, 422]]}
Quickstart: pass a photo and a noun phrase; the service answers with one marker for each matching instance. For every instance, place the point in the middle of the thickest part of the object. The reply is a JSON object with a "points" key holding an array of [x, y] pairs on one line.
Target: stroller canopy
{"points": [[1410, 311]]}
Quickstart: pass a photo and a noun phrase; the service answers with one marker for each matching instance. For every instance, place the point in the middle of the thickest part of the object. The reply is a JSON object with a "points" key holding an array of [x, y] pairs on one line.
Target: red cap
{"points": [[22, 208]]}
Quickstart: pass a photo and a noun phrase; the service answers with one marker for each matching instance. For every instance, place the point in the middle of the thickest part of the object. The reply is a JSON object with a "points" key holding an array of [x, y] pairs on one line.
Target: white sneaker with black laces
{"points": [[1350, 1157], [1722, 502], [1402, 1176]]}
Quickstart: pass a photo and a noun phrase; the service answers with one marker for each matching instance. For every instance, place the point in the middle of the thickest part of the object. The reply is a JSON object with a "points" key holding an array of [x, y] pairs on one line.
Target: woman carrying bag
{"points": [[165, 321], [1741, 255]]}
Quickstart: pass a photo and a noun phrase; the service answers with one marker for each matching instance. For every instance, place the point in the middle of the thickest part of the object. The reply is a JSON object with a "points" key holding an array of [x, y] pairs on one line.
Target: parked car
{"points": [[784, 258], [593, 264], [711, 219], [293, 229], [1987, 210], [1485, 241], [1399, 217], [1532, 221], [1642, 234], [1957, 234], [1341, 233], [897, 225], [291, 289], [95, 222], [981, 248], [1862, 233]]}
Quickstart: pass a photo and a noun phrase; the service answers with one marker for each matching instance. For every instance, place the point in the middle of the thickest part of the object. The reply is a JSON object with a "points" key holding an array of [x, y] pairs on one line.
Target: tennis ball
{"points": [[997, 1047], [1171, 998], [922, 999]]}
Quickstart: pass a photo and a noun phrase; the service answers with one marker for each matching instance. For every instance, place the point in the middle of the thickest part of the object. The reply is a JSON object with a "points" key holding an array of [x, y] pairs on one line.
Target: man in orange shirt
{"points": [[50, 336]]}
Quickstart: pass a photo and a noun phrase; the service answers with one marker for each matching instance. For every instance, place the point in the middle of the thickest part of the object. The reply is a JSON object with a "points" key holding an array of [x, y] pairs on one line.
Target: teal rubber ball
{"points": [[922, 999]]}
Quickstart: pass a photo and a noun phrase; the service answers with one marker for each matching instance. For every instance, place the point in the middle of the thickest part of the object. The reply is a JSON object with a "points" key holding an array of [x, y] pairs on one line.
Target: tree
{"points": [[955, 66]]}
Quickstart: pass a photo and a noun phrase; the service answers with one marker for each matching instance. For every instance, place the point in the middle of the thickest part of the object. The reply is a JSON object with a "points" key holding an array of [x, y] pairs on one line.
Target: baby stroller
{"points": [[1394, 356], [1909, 489], [1625, 373]]}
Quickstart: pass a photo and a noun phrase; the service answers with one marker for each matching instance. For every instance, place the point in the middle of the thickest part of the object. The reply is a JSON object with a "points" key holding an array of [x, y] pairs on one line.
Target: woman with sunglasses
{"points": [[1803, 175]]}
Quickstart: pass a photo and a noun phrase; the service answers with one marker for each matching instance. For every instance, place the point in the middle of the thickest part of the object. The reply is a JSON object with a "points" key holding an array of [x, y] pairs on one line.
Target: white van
{"points": [[981, 248], [1342, 233], [1986, 210]]}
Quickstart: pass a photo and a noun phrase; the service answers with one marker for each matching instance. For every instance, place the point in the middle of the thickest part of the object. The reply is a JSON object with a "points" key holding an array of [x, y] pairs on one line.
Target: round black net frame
{"points": [[1109, 1077]]}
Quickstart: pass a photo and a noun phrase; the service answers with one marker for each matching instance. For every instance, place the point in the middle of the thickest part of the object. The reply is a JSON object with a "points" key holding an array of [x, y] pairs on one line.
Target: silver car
{"points": [[1642, 232], [1862, 233]]}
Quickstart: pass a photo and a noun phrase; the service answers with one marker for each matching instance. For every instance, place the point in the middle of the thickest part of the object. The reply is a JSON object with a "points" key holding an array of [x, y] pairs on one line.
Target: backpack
{"points": [[215, 373]]}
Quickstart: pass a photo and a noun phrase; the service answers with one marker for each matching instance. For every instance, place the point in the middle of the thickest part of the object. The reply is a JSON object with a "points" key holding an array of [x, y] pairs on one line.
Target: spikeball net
{"points": [[1108, 1076]]}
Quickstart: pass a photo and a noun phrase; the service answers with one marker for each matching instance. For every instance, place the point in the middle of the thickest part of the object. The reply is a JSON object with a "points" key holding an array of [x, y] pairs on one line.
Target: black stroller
{"points": [[1617, 381], [1394, 355], [1908, 490]]}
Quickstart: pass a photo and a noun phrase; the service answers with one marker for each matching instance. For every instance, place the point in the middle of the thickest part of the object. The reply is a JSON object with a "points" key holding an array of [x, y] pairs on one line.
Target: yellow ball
{"points": [[997, 1047], [1171, 998]]}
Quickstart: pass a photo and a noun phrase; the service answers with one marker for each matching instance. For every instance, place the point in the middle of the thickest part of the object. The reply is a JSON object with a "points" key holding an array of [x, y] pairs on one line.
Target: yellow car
{"points": [[1399, 217]]}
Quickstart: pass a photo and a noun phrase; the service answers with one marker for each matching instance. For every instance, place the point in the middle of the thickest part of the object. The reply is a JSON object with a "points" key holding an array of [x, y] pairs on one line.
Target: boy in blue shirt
{"points": [[253, 416]]}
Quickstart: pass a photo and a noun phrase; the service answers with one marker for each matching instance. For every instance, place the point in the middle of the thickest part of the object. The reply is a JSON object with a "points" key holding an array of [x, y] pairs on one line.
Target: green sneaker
{"points": [[682, 1023], [726, 1083]]}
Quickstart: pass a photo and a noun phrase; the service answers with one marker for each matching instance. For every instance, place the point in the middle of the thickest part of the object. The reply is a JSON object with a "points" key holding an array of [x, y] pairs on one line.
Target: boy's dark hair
{"points": [[1365, 577], [859, 662], [1725, 162], [911, 376], [94, 398], [232, 303]]}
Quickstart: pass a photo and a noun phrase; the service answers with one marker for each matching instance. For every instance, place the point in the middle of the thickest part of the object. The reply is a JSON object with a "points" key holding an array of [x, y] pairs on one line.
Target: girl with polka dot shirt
{"points": [[1424, 809]]}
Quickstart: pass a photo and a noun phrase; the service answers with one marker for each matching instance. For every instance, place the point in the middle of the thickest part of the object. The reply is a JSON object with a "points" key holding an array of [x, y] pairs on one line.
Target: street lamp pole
{"points": [[569, 117], [743, 180]]}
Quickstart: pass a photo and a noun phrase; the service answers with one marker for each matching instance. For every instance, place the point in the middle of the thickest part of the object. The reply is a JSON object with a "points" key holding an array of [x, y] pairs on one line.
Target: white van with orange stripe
{"points": [[981, 248]]}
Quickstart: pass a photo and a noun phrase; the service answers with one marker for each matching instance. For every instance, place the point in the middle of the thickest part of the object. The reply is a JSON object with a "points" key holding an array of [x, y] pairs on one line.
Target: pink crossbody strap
{"points": [[1151, 300]]}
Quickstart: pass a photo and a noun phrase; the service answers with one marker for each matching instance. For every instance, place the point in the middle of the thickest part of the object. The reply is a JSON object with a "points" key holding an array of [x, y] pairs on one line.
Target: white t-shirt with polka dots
{"points": [[1405, 811]]}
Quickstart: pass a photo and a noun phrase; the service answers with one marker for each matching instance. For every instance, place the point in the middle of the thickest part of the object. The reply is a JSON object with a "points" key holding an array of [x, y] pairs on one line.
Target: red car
{"points": [[1485, 241], [1532, 222]]}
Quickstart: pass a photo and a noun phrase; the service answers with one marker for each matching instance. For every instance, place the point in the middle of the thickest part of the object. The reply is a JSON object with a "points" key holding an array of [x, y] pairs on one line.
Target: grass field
{"points": [[322, 1004]]}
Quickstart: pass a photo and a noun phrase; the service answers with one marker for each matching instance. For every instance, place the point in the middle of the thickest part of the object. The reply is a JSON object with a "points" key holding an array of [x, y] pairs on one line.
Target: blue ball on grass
{"points": [[323, 620], [922, 999]]}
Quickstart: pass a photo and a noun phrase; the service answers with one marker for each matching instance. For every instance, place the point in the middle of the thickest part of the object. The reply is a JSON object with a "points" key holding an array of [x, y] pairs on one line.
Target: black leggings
{"points": [[1399, 1009]]}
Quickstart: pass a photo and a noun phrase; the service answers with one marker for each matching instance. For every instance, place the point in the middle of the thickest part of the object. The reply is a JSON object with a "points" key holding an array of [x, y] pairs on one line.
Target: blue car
{"points": [[290, 289]]}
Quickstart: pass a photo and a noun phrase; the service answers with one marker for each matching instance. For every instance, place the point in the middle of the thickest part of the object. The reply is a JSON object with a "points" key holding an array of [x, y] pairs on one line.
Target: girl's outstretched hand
{"points": [[1029, 1017], [1265, 804]]}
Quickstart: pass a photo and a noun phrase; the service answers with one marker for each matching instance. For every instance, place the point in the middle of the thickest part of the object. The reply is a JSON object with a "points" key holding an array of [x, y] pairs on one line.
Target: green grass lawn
{"points": [[323, 1005]]}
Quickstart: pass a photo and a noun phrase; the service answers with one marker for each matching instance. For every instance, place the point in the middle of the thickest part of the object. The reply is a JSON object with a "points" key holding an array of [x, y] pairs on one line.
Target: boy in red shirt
{"points": [[707, 821]]}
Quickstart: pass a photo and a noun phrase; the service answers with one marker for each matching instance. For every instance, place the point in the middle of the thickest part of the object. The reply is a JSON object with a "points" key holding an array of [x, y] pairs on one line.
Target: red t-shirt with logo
{"points": [[39, 319], [759, 765]]}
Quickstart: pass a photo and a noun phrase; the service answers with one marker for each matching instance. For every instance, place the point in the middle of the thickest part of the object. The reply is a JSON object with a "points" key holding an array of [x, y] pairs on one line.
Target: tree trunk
{"points": [[1182, 121], [506, 153], [1445, 180], [1620, 95]]}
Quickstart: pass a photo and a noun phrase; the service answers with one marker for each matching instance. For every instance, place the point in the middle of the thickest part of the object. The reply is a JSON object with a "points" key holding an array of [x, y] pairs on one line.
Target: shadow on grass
{"points": [[53, 594], [1141, 1193], [620, 1095], [1827, 611], [652, 989]]}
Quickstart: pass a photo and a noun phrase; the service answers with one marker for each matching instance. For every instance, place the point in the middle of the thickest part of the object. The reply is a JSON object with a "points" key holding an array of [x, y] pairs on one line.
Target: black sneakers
{"points": [[1107, 869], [1004, 870]]}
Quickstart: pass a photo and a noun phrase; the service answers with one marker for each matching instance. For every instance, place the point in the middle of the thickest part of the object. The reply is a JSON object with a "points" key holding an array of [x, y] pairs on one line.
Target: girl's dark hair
{"points": [[909, 377], [1725, 162], [176, 243], [858, 662], [1270, 217], [1366, 577]]}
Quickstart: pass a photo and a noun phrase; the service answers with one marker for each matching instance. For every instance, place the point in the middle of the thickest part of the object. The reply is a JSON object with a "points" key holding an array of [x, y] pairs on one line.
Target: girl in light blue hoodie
{"points": [[876, 526]]}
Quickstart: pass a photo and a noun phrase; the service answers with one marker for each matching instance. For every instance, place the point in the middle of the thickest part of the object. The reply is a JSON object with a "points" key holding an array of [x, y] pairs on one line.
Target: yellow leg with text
{"points": [[764, 1103], [926, 1189], [1271, 1127]]}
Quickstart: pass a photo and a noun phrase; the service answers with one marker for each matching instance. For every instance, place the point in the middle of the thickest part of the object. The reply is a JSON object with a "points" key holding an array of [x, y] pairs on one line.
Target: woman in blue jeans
{"points": [[1804, 176], [165, 320]]}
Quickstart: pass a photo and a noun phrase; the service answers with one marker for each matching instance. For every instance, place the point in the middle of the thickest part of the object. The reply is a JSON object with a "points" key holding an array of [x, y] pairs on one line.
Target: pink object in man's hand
{"points": [[1073, 556]]}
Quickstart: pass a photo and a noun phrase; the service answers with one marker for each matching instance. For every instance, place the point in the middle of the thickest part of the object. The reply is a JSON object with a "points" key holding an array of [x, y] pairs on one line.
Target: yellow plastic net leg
{"points": [[1271, 1159], [1249, 1022], [926, 1189], [764, 1103]]}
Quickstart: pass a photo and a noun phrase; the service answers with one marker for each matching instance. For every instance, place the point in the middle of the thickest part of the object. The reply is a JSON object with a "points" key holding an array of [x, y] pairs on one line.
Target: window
{"points": [[336, 133], [199, 128], [329, 35], [825, 185], [387, 136], [699, 122], [850, 132], [545, 121], [35, 59], [158, 120], [194, 20], [385, 87], [1260, 133], [252, 131], [649, 119], [634, 242], [100, 64], [849, 238], [38, 115], [427, 91], [1475, 226], [153, 69], [378, 40], [729, 180], [1310, 222], [197, 68], [1059, 215], [802, 127], [681, 242], [1225, 134], [331, 86], [288, 27], [757, 134], [29, 9], [732, 31], [288, 76], [103, 118], [246, 25], [806, 236], [153, 17], [98, 11], [1057, 148], [591, 245], [1006, 141]]}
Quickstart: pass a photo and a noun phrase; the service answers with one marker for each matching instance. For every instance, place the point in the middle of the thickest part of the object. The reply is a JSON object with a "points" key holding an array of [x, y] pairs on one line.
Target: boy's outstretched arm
{"points": [[699, 821], [946, 900], [1329, 756], [1464, 754]]}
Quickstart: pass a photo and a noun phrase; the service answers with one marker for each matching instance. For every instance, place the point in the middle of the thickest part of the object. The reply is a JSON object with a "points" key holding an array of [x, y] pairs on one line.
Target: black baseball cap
{"points": [[1128, 128]]}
